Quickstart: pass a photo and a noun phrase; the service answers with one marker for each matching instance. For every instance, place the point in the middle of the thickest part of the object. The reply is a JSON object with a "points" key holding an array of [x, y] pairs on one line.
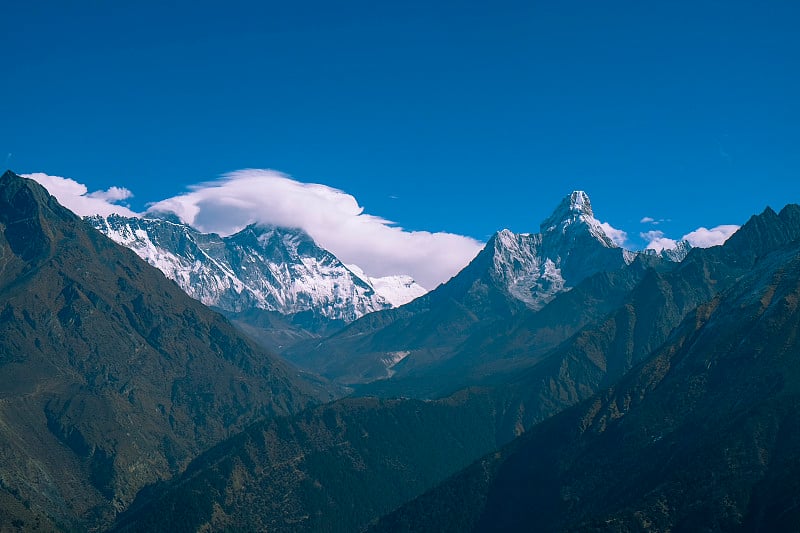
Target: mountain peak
{"points": [[263, 266], [26, 212], [573, 220], [9, 175], [579, 201], [574, 206], [11, 184], [764, 232], [571, 246], [167, 216]]}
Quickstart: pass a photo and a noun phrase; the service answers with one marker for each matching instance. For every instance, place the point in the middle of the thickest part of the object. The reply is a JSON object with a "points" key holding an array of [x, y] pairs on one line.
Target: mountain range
{"points": [[558, 382], [260, 267], [436, 344], [638, 382], [703, 435], [309, 294]]}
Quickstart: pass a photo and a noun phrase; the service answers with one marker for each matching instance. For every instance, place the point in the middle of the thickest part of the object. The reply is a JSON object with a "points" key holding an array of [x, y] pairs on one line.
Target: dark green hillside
{"points": [[333, 468], [110, 376]]}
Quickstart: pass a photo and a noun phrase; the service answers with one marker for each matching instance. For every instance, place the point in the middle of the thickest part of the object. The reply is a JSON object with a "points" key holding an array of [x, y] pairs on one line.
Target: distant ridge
{"points": [[260, 267]]}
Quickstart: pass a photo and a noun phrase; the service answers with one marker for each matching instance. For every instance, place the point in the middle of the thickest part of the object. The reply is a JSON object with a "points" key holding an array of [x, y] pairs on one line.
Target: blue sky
{"points": [[441, 116]]}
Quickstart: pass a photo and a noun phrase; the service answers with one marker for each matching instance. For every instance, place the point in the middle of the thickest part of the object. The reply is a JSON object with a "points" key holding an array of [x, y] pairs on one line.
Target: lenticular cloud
{"points": [[332, 217]]}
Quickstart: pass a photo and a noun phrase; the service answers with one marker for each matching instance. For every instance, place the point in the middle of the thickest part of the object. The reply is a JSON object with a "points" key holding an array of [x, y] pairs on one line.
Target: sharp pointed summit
{"points": [[572, 216], [580, 200], [514, 274], [575, 206], [571, 246]]}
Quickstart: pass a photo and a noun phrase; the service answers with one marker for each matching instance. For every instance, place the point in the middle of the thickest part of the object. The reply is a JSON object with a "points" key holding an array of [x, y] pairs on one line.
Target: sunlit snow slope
{"points": [[265, 267]]}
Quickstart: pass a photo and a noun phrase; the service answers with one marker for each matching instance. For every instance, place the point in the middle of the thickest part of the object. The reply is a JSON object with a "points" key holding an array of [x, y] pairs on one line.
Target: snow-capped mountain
{"points": [[397, 290], [676, 255], [488, 303], [570, 246], [264, 267]]}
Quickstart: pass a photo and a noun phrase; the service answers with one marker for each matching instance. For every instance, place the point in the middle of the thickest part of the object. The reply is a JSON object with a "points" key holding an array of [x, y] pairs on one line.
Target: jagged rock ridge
{"points": [[570, 246], [260, 267]]}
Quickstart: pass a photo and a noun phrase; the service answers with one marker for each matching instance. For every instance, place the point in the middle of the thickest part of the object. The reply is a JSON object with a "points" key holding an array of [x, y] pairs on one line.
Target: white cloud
{"points": [[332, 217], [618, 236], [699, 238], [705, 238], [657, 241], [76, 197], [653, 221], [113, 194]]}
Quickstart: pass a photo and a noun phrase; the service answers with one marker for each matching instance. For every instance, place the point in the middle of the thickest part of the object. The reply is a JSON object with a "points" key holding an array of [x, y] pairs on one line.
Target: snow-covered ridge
{"points": [[284, 270], [397, 290], [677, 254], [571, 246], [575, 210], [266, 267]]}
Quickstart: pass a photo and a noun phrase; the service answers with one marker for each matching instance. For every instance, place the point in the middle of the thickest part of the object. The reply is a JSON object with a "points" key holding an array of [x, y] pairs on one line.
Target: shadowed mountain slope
{"points": [[333, 468], [514, 275], [703, 435], [340, 465], [110, 376]]}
